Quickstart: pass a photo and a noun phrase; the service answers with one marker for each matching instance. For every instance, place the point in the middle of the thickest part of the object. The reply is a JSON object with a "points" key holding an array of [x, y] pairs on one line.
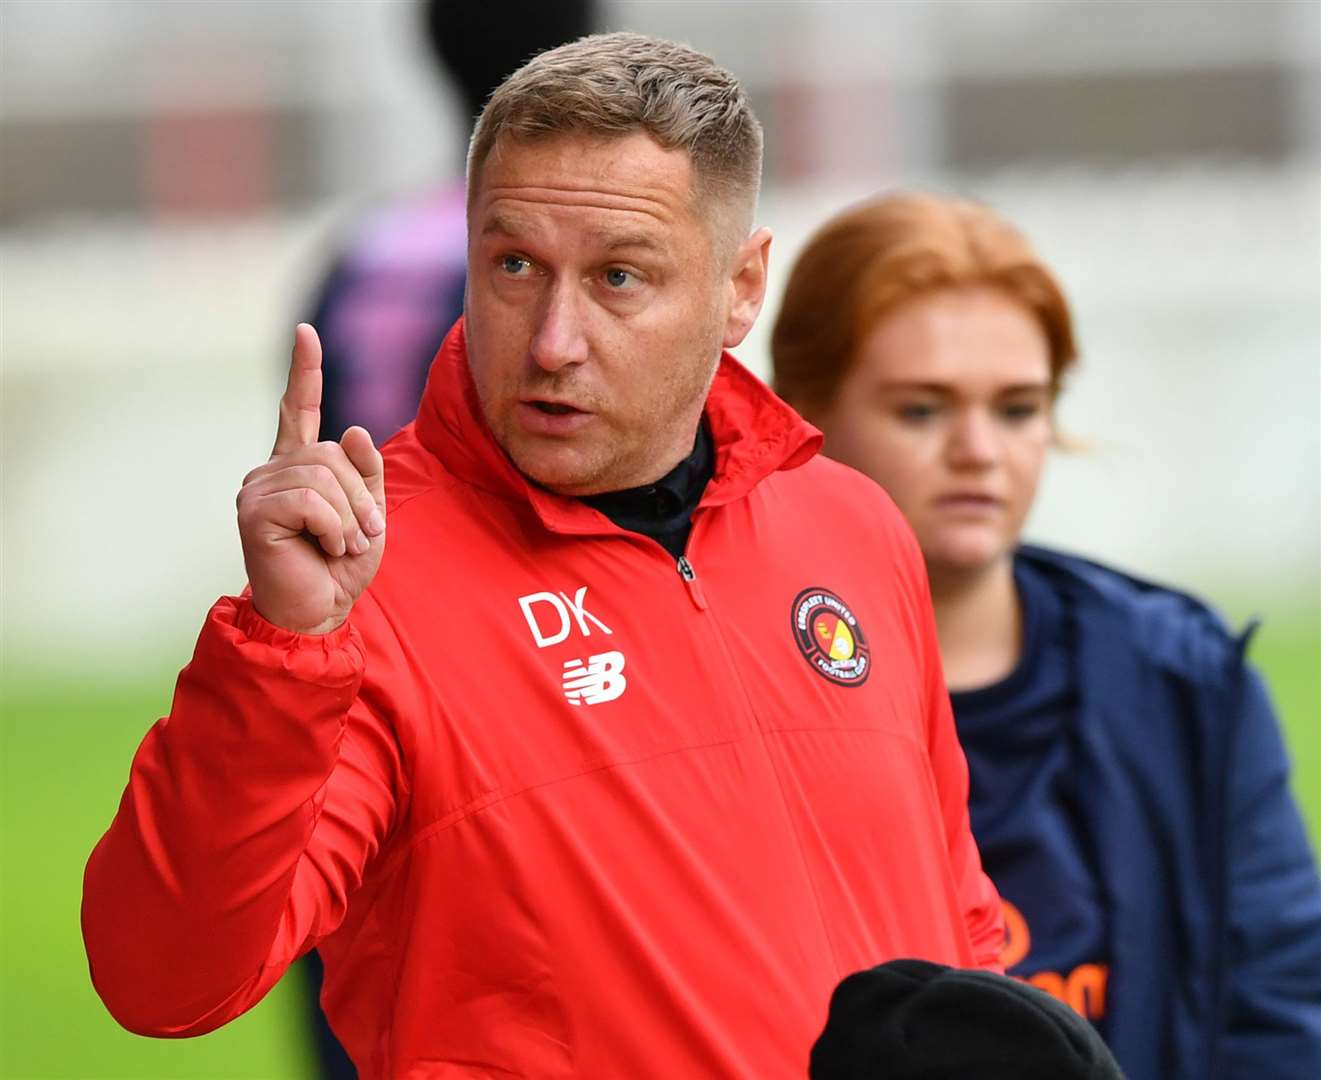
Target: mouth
{"points": [[968, 500], [544, 417]]}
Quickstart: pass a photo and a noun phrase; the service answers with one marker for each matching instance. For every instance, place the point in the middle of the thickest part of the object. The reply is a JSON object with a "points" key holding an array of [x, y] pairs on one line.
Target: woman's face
{"points": [[948, 408]]}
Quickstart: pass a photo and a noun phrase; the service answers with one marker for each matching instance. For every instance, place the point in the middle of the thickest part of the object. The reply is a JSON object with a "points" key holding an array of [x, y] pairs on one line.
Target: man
{"points": [[628, 752]]}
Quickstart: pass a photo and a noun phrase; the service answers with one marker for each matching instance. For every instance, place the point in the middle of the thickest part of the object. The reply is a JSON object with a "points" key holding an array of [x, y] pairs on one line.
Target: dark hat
{"points": [[915, 1020], [482, 43]]}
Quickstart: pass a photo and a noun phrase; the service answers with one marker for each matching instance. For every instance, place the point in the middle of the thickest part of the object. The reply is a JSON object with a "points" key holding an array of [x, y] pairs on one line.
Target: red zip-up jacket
{"points": [[549, 804]]}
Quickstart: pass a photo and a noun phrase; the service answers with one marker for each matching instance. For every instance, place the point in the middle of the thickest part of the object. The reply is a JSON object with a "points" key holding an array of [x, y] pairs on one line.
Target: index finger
{"points": [[300, 407]]}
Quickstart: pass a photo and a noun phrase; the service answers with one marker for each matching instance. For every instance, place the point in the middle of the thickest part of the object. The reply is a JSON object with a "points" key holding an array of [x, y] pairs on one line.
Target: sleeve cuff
{"points": [[255, 627], [238, 631]]}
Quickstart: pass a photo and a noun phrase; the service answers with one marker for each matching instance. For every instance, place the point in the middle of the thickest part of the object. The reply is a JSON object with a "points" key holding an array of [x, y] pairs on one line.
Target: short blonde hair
{"points": [[868, 260], [612, 85]]}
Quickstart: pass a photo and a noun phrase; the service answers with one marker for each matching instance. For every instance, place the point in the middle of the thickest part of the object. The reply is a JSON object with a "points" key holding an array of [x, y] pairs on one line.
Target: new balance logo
{"points": [[600, 679]]}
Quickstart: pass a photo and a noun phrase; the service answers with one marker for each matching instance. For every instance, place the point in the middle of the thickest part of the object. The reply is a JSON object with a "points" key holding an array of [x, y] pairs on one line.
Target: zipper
{"points": [[689, 576]]}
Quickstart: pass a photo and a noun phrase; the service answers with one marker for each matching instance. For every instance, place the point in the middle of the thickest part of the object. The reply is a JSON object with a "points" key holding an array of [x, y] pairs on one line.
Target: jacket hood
{"points": [[755, 434]]}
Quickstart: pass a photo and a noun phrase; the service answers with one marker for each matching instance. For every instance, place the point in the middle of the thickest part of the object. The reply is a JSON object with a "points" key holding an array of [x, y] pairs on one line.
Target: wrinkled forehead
{"points": [[631, 167], [630, 172]]}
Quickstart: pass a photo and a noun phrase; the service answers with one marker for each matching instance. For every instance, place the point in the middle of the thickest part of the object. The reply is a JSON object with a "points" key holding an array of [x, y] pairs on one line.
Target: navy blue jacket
{"points": [[1211, 886]]}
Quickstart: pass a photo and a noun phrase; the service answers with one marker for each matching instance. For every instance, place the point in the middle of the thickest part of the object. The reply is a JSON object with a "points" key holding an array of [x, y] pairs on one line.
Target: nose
{"points": [[973, 442], [559, 339]]}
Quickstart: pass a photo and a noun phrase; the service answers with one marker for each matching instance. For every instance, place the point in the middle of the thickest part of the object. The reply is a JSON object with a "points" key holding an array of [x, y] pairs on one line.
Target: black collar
{"points": [[663, 509]]}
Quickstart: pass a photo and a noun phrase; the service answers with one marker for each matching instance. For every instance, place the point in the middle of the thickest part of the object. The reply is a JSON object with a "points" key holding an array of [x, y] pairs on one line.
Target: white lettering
{"points": [[542, 640], [582, 614]]}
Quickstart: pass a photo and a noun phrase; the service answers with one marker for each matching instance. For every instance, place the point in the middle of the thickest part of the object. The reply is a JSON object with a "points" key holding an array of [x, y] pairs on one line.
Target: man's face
{"points": [[596, 308]]}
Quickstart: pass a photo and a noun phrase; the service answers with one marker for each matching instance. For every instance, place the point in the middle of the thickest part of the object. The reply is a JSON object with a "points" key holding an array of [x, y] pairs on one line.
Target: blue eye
{"points": [[617, 278], [514, 265]]}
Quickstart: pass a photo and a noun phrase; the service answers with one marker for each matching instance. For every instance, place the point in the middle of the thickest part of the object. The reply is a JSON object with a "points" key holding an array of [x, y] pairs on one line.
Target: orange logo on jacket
{"points": [[1083, 988]]}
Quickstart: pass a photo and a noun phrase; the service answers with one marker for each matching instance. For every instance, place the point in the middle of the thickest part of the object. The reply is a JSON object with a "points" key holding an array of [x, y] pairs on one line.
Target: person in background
{"points": [[396, 288], [1129, 786], [392, 294]]}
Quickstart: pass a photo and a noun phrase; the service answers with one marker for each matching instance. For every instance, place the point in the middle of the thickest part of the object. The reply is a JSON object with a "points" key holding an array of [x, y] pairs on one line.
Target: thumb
{"points": [[361, 451]]}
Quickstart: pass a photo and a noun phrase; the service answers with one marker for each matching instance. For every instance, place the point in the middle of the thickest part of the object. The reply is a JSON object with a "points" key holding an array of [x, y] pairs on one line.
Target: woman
{"points": [[1129, 786]]}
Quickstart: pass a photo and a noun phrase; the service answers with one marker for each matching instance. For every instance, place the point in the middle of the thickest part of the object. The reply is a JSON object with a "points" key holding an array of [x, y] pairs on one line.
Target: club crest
{"points": [[830, 638]]}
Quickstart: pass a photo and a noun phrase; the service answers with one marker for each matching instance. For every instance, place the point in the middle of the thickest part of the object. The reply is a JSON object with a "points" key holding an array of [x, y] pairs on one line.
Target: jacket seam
{"points": [[495, 796]]}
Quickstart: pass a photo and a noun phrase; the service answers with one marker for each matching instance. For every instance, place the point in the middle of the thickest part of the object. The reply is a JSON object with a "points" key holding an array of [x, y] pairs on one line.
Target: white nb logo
{"points": [[602, 679]]}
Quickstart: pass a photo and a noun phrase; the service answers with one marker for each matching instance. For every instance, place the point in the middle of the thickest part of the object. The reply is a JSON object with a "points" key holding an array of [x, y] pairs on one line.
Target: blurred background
{"points": [[174, 178]]}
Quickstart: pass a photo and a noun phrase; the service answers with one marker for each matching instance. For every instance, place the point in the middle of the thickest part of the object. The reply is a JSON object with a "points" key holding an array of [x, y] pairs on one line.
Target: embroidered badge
{"points": [[830, 638]]}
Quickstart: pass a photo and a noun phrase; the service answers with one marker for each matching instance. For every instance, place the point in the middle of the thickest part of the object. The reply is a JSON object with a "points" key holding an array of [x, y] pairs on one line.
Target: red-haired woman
{"points": [[1129, 786]]}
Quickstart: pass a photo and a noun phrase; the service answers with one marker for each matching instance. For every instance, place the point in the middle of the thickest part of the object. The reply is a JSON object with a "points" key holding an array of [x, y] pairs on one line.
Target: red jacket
{"points": [[548, 807]]}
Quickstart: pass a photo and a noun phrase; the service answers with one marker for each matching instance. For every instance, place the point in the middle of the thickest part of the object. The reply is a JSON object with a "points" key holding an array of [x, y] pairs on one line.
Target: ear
{"points": [[747, 285]]}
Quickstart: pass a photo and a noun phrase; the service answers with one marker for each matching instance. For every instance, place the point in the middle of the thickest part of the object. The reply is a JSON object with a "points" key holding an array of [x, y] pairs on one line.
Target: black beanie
{"points": [[482, 42], [915, 1020]]}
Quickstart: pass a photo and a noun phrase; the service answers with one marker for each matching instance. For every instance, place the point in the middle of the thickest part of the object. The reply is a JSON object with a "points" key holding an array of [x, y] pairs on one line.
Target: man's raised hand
{"points": [[312, 519]]}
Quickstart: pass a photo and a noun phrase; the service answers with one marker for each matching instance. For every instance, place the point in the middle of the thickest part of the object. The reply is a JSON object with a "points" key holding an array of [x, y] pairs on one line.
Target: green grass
{"points": [[66, 752]]}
